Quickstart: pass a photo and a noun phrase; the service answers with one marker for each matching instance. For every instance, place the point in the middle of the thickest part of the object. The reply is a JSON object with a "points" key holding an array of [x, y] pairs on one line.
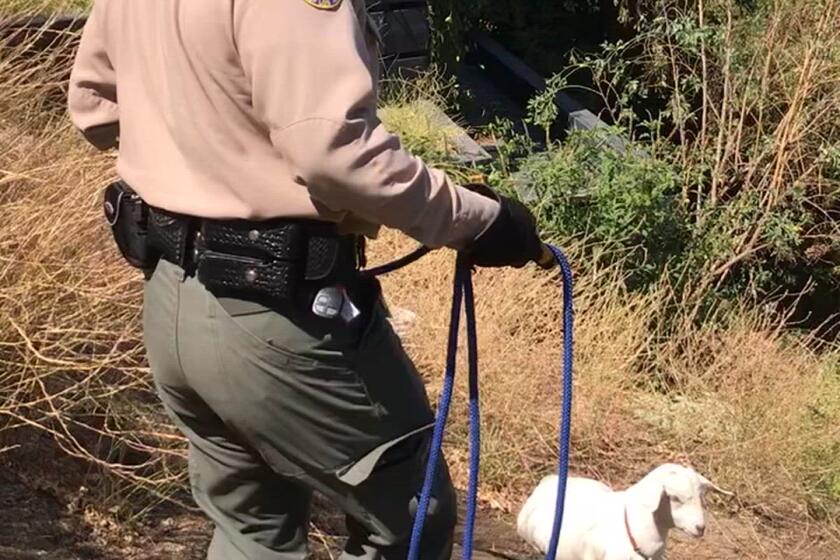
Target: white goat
{"points": [[602, 524]]}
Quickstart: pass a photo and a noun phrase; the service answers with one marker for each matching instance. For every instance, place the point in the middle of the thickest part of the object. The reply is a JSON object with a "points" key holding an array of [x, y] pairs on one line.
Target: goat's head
{"points": [[675, 496]]}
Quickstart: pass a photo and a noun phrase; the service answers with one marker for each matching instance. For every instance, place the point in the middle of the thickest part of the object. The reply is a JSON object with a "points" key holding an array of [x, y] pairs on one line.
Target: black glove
{"points": [[512, 238]]}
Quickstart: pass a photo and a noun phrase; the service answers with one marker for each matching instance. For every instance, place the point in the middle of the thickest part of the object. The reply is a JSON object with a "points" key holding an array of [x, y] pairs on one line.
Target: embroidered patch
{"points": [[324, 4]]}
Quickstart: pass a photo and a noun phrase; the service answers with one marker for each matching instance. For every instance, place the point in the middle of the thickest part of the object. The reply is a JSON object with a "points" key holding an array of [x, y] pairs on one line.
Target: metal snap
{"points": [[250, 275], [253, 235]]}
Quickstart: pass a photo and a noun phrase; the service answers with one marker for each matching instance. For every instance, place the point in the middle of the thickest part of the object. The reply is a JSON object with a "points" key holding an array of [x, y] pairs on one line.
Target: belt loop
{"points": [[361, 255], [193, 246]]}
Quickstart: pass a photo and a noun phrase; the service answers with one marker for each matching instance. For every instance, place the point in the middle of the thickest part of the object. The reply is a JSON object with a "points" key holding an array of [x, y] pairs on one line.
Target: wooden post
{"points": [[405, 31]]}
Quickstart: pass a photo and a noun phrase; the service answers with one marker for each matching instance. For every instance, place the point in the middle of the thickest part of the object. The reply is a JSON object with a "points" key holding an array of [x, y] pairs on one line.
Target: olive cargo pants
{"points": [[278, 404]]}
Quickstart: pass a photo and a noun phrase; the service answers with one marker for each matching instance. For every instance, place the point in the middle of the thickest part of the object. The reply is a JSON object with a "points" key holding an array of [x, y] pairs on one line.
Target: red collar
{"points": [[630, 535]]}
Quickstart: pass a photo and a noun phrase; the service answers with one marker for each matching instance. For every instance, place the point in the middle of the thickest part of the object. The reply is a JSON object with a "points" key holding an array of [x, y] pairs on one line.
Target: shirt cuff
{"points": [[474, 213]]}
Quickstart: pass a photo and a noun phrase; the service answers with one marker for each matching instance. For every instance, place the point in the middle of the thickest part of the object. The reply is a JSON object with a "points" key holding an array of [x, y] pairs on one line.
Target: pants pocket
{"points": [[392, 380], [291, 335], [319, 401]]}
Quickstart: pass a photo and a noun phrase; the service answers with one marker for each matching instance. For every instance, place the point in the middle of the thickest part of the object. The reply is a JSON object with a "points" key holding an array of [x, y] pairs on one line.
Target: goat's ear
{"points": [[652, 496], [709, 485]]}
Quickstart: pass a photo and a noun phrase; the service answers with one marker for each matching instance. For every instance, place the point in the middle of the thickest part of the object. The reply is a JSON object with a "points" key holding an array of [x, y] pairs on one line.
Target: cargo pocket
{"points": [[360, 470], [389, 514]]}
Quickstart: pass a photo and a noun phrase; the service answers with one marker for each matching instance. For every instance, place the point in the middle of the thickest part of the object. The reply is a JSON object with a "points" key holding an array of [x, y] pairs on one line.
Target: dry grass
{"points": [[17, 7], [413, 109], [752, 407], [749, 404]]}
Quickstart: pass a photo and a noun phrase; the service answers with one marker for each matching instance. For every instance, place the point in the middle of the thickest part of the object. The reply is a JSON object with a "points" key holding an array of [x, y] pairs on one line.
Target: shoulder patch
{"points": [[324, 4]]}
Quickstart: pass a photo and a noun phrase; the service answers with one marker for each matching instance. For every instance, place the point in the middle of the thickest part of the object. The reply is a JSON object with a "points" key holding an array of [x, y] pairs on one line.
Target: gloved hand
{"points": [[512, 238]]}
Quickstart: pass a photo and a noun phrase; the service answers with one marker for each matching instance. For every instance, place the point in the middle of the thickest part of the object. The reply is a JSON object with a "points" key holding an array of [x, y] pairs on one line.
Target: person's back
{"points": [[191, 140], [258, 109], [251, 162]]}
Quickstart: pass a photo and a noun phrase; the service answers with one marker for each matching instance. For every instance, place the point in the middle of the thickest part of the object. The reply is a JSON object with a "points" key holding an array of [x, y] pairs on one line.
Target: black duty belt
{"points": [[269, 258]]}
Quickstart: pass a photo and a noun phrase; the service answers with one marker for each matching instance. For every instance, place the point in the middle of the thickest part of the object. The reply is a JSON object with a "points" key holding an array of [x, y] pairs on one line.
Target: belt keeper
{"points": [[170, 235], [322, 255]]}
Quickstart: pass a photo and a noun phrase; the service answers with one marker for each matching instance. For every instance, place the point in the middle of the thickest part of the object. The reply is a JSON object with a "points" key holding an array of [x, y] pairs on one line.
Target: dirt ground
{"points": [[35, 525]]}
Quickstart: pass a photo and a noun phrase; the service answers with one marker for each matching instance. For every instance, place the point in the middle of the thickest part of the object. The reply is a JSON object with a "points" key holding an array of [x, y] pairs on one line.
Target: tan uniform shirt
{"points": [[257, 109]]}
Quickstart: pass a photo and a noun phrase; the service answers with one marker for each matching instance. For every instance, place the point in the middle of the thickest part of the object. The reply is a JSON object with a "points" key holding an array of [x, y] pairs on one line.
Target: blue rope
{"points": [[475, 423], [463, 293], [566, 416], [443, 414]]}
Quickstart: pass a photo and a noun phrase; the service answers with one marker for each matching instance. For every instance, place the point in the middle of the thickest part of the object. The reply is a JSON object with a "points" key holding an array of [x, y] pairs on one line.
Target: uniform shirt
{"points": [[257, 109]]}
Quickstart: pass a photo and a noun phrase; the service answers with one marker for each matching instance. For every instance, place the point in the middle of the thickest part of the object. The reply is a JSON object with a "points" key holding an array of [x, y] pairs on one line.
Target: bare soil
{"points": [[34, 524]]}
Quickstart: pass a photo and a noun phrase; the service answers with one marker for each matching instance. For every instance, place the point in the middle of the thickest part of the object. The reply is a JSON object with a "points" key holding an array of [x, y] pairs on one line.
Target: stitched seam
{"points": [[284, 129], [177, 335], [90, 94]]}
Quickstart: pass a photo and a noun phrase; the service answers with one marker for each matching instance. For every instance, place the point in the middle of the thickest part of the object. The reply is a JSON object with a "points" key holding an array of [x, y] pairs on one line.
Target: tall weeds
{"points": [[742, 102]]}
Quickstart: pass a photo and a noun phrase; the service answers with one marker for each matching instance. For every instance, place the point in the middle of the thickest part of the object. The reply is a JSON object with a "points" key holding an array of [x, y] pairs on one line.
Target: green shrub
{"points": [[619, 201], [732, 179]]}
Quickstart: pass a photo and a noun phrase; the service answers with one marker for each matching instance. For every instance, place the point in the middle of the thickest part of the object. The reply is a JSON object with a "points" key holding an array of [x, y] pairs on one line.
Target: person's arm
{"points": [[312, 87], [92, 95]]}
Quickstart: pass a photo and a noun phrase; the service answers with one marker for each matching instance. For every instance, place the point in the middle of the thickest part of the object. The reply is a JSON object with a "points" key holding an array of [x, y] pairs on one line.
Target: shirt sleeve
{"points": [[92, 94], [313, 86]]}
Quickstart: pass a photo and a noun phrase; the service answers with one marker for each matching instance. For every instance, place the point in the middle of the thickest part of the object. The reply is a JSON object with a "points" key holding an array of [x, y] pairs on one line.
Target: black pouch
{"points": [[243, 258], [127, 215], [233, 275], [275, 260]]}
